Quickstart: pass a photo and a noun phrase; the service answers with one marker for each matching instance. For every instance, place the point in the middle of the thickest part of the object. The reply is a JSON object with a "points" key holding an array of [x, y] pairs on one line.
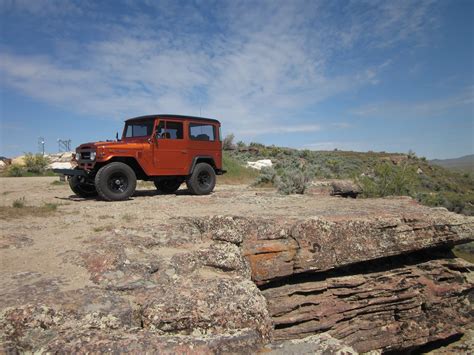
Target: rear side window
{"points": [[169, 130], [202, 132]]}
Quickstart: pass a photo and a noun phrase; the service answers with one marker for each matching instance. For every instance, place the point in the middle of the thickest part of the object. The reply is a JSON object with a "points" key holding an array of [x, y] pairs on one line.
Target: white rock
{"points": [[259, 164], [59, 165]]}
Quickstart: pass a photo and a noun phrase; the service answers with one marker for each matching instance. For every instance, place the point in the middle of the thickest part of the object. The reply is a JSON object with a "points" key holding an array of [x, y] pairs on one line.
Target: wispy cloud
{"points": [[262, 62], [289, 128], [417, 109], [342, 125]]}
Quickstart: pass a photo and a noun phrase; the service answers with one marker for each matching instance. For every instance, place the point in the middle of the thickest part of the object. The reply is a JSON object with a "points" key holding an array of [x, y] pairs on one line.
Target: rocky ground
{"points": [[241, 270]]}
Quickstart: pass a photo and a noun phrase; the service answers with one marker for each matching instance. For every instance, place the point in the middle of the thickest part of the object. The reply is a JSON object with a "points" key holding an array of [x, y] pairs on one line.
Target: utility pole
{"points": [[64, 145], [41, 145]]}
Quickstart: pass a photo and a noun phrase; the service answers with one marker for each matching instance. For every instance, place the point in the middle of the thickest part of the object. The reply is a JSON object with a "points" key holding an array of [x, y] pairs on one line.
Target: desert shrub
{"points": [[15, 170], [389, 179], [241, 144], [411, 154], [293, 180], [266, 177], [256, 145], [36, 163], [228, 142], [432, 199]]}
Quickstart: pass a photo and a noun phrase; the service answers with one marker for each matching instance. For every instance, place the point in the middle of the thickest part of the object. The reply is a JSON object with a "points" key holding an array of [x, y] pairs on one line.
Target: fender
{"points": [[204, 158]]}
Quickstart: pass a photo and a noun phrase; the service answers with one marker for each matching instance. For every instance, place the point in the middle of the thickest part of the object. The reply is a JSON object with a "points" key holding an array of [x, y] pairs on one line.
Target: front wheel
{"points": [[115, 182], [168, 186], [81, 187], [203, 179]]}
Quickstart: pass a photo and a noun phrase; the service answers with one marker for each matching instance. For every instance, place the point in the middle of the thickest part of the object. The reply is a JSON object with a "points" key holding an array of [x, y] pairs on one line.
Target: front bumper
{"points": [[70, 172]]}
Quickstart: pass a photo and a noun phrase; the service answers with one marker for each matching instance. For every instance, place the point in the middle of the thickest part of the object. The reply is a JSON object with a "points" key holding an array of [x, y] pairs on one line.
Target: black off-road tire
{"points": [[115, 182], [168, 186], [81, 188], [203, 179]]}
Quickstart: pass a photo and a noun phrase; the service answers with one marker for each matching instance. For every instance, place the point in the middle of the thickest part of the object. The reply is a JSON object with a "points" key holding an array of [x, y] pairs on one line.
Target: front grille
{"points": [[85, 155]]}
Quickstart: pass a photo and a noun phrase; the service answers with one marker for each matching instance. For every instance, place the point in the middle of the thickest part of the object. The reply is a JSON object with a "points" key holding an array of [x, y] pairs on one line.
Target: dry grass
{"points": [[107, 228], [19, 209], [127, 217]]}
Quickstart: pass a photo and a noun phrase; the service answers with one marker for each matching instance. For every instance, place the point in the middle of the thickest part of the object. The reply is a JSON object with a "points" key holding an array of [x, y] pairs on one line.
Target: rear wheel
{"points": [[115, 182], [168, 186], [203, 179], [81, 187]]}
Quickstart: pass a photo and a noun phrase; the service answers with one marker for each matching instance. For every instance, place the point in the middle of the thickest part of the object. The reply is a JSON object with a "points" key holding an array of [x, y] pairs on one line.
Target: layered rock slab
{"points": [[190, 283], [279, 247], [398, 308], [373, 283]]}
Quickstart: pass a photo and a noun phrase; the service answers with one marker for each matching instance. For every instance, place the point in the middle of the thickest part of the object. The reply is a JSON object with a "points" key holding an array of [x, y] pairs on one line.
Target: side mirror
{"points": [[116, 136], [152, 140]]}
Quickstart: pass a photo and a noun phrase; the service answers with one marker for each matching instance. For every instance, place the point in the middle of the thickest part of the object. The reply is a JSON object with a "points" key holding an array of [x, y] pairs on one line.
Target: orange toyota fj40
{"points": [[166, 149]]}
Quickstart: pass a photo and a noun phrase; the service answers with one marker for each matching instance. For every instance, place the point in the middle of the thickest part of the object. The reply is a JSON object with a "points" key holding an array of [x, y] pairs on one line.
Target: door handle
{"points": [[184, 151]]}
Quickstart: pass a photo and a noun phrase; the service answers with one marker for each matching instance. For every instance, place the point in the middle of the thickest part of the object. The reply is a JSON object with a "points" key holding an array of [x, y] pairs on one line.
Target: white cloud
{"points": [[262, 66]]}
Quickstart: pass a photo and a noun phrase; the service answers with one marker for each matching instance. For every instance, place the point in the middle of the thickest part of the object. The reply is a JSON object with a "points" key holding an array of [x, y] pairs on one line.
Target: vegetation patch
{"points": [[33, 165], [106, 228], [20, 209], [379, 174], [237, 173]]}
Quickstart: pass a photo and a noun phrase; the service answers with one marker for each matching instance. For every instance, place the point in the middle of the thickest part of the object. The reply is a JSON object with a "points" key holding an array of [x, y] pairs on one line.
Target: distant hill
{"points": [[465, 163]]}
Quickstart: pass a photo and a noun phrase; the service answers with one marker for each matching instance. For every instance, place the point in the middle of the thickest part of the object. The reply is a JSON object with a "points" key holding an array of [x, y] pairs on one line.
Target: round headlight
{"points": [[93, 155], [78, 156]]}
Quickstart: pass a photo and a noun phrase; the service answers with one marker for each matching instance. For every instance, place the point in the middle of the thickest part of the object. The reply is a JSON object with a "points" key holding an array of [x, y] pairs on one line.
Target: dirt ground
{"points": [[33, 243]]}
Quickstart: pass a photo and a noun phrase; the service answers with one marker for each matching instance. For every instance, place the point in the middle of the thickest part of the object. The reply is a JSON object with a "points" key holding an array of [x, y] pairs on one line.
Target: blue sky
{"points": [[353, 75]]}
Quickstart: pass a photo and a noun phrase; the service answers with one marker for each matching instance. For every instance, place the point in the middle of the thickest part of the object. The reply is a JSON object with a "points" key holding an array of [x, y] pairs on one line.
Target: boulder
{"points": [[345, 188]]}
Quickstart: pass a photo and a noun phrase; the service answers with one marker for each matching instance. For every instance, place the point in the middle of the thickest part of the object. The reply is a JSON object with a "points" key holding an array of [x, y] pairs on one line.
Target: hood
{"points": [[95, 145], [123, 144]]}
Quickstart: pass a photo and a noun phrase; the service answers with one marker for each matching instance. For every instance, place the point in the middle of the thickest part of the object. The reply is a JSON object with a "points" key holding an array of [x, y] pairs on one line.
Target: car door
{"points": [[170, 153]]}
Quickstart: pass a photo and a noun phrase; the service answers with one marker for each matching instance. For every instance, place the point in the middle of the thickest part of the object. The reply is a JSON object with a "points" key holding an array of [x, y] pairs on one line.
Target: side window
{"points": [[169, 130], [201, 132]]}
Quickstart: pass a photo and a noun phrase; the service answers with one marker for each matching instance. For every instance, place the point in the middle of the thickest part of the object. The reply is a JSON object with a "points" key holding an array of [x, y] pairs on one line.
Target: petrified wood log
{"points": [[389, 306], [277, 248]]}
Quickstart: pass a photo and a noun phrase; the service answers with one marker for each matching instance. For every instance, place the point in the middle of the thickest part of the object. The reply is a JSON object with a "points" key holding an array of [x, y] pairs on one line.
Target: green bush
{"points": [[266, 177], [389, 179], [236, 172], [36, 163], [241, 145], [293, 180], [16, 170], [228, 142]]}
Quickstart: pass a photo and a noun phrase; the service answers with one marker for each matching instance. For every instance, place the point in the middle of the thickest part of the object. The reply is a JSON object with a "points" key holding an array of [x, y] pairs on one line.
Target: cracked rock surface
{"points": [[237, 271]]}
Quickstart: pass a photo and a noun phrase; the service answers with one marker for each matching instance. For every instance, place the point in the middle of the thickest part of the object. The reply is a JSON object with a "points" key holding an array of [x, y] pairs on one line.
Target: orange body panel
{"points": [[155, 154]]}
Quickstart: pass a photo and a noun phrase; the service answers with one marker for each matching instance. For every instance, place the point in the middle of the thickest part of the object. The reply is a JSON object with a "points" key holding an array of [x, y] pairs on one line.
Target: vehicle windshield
{"points": [[138, 129]]}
